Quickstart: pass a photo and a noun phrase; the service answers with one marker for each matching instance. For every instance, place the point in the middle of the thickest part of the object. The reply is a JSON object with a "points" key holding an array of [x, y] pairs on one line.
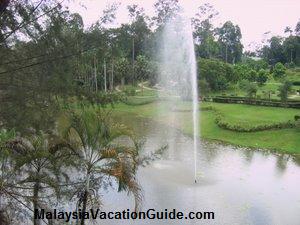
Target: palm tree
{"points": [[38, 160], [102, 158], [7, 178]]}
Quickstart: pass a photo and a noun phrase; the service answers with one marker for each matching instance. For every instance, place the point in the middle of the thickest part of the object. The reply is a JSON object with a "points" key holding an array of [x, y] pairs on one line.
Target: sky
{"points": [[255, 17]]}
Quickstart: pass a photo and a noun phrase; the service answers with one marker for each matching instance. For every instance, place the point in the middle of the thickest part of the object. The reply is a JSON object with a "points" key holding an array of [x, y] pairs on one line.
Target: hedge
{"points": [[239, 128], [253, 101]]}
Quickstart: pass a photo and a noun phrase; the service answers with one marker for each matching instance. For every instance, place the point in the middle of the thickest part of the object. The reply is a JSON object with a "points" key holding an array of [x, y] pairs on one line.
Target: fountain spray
{"points": [[178, 71]]}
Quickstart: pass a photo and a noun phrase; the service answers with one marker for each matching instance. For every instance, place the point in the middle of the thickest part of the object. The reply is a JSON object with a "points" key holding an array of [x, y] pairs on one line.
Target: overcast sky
{"points": [[255, 17]]}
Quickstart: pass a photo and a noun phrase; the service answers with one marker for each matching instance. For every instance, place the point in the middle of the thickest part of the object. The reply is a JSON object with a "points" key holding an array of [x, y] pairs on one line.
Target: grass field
{"points": [[254, 115], [284, 140]]}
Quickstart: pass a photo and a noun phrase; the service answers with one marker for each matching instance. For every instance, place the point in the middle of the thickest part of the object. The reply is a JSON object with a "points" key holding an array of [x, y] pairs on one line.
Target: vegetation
{"points": [[284, 90], [279, 70], [244, 116], [59, 81], [251, 90], [100, 159], [35, 167]]}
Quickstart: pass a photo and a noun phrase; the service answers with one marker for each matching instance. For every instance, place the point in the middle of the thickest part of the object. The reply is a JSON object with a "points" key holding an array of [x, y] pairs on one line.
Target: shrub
{"points": [[284, 90], [130, 91], [291, 65], [242, 71], [256, 64], [203, 87], [279, 70], [207, 108], [5, 135], [252, 75], [251, 90], [262, 77], [243, 84], [216, 73], [297, 121], [220, 121]]}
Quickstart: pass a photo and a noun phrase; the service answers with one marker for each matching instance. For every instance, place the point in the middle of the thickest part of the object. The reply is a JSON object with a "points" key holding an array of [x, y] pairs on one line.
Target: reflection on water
{"points": [[241, 186]]}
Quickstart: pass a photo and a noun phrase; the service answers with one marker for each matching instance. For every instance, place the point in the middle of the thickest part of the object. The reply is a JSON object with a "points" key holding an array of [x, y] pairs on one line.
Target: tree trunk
{"points": [[95, 75], [105, 76], [112, 77], [226, 54], [36, 189], [133, 73], [85, 197], [84, 203], [3, 219]]}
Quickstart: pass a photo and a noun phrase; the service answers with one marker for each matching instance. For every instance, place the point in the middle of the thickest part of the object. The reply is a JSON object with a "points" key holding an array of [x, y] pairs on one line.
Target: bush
{"points": [[242, 71], [262, 77], [243, 84], [279, 70], [251, 90], [290, 65], [297, 121], [5, 135], [216, 73], [207, 108], [256, 64], [284, 90], [130, 91], [252, 75], [203, 87], [220, 121]]}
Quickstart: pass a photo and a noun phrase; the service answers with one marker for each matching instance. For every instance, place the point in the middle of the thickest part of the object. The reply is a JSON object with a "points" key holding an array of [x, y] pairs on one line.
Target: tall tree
{"points": [[102, 160], [139, 32], [207, 47], [165, 10], [38, 161], [297, 28], [229, 36], [274, 52], [42, 69]]}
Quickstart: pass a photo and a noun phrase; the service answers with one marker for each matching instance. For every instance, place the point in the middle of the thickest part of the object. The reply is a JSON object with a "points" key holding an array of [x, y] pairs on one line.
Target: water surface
{"points": [[241, 186]]}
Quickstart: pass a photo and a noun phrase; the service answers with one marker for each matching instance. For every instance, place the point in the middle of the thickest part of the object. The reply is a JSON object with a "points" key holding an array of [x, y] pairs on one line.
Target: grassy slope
{"points": [[271, 86], [285, 140]]}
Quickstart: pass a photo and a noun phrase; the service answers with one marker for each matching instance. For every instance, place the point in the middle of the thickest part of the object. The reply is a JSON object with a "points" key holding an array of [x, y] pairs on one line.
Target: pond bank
{"points": [[281, 140]]}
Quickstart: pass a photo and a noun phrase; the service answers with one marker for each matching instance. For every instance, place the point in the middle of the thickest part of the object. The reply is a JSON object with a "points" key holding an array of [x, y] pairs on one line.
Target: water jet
{"points": [[178, 74]]}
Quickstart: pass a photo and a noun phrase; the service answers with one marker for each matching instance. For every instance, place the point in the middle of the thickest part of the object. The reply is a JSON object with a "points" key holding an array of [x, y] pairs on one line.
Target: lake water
{"points": [[242, 186]]}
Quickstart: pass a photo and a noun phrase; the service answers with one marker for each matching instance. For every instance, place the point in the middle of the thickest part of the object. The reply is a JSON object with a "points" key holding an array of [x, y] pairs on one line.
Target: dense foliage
{"points": [[218, 74]]}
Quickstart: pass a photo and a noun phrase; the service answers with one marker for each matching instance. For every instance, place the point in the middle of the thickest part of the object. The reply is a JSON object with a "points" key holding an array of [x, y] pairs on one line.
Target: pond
{"points": [[240, 186]]}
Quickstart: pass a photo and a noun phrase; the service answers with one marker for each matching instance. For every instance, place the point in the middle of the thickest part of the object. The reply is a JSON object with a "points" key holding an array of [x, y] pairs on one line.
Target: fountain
{"points": [[178, 73]]}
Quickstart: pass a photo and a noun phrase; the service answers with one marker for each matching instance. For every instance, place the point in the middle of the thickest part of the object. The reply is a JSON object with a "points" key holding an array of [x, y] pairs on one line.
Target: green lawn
{"points": [[254, 115], [284, 140]]}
